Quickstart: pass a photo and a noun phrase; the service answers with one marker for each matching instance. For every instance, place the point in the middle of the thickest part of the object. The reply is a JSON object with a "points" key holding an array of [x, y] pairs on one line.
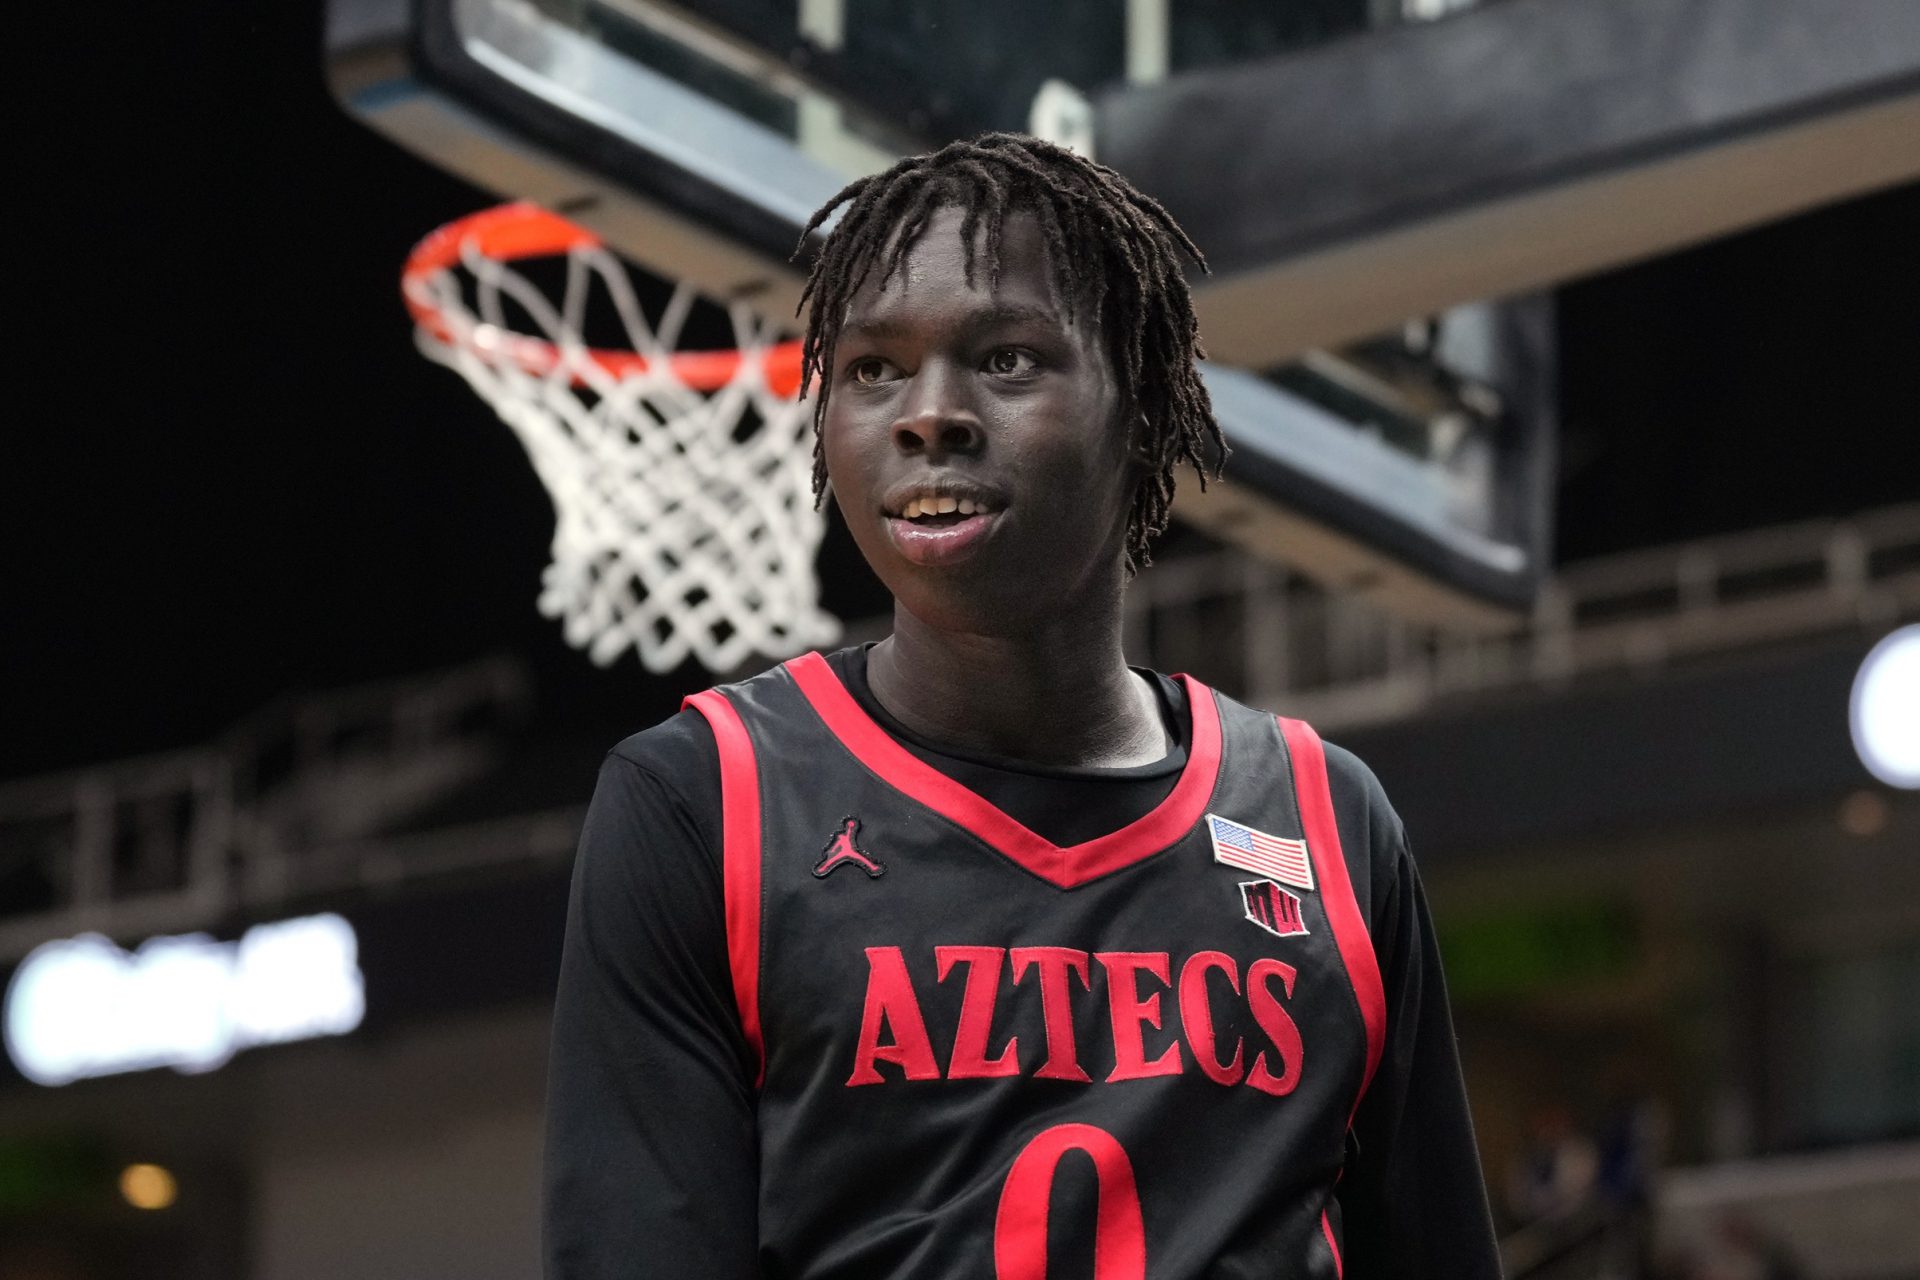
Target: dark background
{"points": [[231, 475]]}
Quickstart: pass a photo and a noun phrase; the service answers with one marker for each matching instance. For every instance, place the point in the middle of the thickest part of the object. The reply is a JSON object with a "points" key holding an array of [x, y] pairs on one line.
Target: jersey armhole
{"points": [[1349, 923], [739, 861]]}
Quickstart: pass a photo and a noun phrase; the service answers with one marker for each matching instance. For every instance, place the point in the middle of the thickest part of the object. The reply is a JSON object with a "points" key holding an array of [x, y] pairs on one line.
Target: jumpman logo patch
{"points": [[842, 850]]}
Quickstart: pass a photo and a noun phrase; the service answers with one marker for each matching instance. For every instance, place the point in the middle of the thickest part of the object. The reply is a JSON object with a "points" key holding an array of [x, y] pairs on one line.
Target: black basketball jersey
{"points": [[981, 1054]]}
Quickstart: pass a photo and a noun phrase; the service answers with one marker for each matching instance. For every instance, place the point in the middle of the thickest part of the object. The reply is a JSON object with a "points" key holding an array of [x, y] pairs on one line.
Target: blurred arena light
{"points": [[1886, 709], [148, 1186], [82, 1007], [1864, 813]]}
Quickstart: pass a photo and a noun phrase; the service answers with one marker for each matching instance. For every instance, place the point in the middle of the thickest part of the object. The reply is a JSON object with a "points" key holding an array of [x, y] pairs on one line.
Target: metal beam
{"points": [[1340, 190]]}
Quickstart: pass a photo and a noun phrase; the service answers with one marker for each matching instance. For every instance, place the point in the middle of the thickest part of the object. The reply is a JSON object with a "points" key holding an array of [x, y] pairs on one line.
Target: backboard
{"points": [[697, 137]]}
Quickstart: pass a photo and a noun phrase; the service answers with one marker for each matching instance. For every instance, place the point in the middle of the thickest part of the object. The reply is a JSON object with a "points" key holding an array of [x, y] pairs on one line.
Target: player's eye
{"points": [[868, 370], [1011, 362]]}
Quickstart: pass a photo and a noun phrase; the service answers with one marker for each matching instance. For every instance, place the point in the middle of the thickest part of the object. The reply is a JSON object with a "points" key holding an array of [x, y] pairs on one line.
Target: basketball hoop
{"points": [[681, 480]]}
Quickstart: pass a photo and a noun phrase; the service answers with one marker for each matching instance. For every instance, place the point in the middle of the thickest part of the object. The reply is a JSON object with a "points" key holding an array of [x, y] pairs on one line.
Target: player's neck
{"points": [[1062, 695]]}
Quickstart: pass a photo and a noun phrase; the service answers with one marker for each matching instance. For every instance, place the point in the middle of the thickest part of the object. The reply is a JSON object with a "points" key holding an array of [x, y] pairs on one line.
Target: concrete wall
{"points": [[1850, 1215], [418, 1159]]}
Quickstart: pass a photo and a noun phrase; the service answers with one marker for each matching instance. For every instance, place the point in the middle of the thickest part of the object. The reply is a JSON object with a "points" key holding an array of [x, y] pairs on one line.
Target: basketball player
{"points": [[975, 953]]}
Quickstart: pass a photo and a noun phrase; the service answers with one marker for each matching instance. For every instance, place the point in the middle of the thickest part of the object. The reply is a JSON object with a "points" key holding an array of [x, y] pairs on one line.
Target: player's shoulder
{"points": [[679, 747], [665, 779], [652, 839], [682, 745], [1349, 775], [1359, 799]]}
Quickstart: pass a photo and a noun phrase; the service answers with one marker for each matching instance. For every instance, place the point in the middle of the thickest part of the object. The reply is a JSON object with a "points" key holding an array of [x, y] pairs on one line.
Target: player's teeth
{"points": [[946, 506], [966, 507], [912, 509]]}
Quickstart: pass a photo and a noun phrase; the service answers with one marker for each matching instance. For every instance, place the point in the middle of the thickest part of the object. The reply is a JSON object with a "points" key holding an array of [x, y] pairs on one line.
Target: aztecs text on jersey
{"points": [[985, 1055]]}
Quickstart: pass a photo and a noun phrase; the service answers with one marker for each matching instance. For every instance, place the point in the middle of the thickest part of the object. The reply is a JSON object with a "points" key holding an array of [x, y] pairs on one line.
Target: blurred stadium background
{"points": [[1605, 312]]}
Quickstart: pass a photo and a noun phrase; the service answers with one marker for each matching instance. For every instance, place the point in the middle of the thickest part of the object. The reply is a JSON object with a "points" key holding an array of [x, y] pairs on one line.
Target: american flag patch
{"points": [[1236, 845]]}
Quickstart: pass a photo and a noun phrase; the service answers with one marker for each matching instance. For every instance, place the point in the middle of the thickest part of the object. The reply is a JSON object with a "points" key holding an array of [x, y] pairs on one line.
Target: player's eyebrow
{"points": [[1007, 315], [876, 330], [994, 315]]}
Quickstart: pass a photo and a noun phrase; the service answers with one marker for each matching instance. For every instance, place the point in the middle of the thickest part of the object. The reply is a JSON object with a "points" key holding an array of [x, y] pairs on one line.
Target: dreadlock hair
{"points": [[1113, 254]]}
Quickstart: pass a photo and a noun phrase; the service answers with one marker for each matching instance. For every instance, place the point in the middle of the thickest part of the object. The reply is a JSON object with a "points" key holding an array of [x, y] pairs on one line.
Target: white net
{"points": [[684, 519]]}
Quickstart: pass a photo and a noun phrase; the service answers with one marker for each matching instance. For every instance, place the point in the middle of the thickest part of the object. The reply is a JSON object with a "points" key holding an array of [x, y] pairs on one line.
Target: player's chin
{"points": [[968, 599]]}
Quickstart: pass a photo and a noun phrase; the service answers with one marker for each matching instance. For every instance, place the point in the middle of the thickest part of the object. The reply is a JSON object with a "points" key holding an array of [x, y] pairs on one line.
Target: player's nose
{"points": [[936, 417]]}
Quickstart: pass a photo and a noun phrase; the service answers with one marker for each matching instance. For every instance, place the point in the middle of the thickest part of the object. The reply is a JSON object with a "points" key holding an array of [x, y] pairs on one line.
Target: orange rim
{"points": [[511, 232]]}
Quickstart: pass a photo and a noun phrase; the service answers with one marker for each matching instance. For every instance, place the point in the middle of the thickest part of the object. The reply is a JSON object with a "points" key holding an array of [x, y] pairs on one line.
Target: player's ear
{"points": [[1139, 451]]}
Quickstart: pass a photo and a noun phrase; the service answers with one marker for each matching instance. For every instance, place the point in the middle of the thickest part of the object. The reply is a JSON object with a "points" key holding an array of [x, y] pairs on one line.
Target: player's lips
{"points": [[938, 522], [928, 544]]}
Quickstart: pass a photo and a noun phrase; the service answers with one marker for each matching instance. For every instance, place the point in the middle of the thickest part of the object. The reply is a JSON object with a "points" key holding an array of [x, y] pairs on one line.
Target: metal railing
{"points": [[1270, 636], [179, 840], [307, 796]]}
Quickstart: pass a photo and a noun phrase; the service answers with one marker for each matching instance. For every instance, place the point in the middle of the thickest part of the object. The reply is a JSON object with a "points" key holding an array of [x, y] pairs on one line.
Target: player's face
{"points": [[972, 439]]}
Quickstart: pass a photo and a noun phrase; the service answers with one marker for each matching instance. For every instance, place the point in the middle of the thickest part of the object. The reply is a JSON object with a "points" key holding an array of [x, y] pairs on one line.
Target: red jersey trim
{"points": [[1336, 888], [1064, 867], [1326, 1229], [740, 862]]}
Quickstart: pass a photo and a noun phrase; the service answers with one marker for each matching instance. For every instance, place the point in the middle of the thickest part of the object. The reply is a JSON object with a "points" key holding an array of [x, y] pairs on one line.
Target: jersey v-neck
{"points": [[1065, 825], [1170, 700]]}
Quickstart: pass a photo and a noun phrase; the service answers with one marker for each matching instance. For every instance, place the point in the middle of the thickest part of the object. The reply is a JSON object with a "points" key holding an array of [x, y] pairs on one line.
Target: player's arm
{"points": [[651, 1164], [1413, 1203]]}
